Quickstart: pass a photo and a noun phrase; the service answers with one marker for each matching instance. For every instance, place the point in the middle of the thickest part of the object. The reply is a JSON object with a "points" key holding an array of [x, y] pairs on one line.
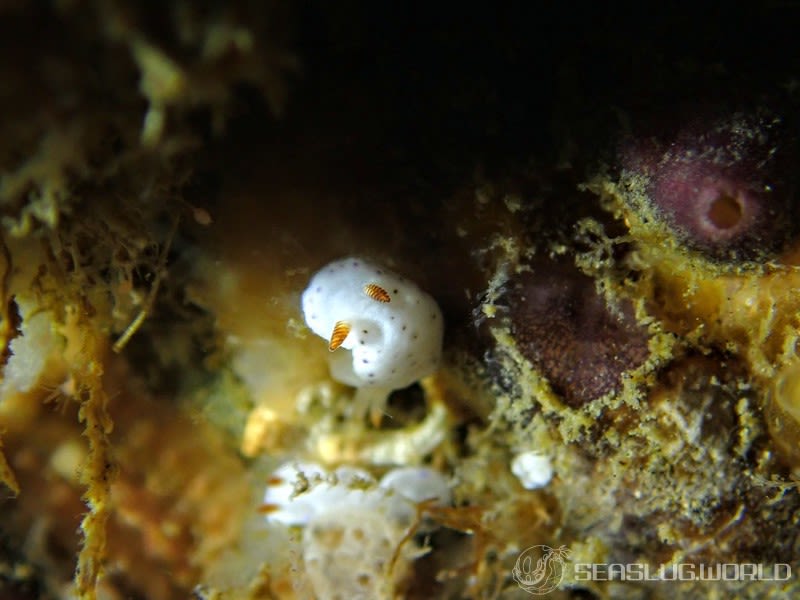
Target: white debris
{"points": [[534, 470], [31, 351]]}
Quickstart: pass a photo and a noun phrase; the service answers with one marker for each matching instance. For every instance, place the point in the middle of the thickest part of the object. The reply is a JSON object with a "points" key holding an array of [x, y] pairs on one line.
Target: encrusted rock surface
{"points": [[603, 209]]}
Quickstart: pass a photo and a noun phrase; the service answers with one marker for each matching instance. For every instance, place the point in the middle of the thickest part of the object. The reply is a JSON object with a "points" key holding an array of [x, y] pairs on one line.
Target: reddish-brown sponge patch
{"points": [[566, 330]]}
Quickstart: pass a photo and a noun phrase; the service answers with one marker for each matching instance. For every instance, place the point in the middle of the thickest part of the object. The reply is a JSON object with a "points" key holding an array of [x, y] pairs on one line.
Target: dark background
{"points": [[442, 84]]}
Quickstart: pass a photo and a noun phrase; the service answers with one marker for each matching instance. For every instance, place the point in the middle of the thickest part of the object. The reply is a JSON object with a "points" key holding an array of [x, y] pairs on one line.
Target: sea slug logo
{"points": [[539, 569]]}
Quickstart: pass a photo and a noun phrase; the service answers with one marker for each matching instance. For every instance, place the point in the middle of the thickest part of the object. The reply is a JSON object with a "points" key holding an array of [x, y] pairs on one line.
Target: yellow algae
{"points": [[787, 390], [6, 474], [747, 308], [97, 475]]}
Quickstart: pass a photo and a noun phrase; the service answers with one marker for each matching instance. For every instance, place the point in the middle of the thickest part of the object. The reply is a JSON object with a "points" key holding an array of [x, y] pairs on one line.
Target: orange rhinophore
{"points": [[266, 509], [340, 331], [376, 292]]}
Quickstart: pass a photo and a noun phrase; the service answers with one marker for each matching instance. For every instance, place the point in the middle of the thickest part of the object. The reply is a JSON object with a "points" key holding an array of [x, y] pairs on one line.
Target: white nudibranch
{"points": [[299, 492], [383, 331], [357, 533]]}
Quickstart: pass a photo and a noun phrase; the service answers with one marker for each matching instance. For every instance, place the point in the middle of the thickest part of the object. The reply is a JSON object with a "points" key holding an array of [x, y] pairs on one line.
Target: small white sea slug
{"points": [[383, 331], [298, 492]]}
